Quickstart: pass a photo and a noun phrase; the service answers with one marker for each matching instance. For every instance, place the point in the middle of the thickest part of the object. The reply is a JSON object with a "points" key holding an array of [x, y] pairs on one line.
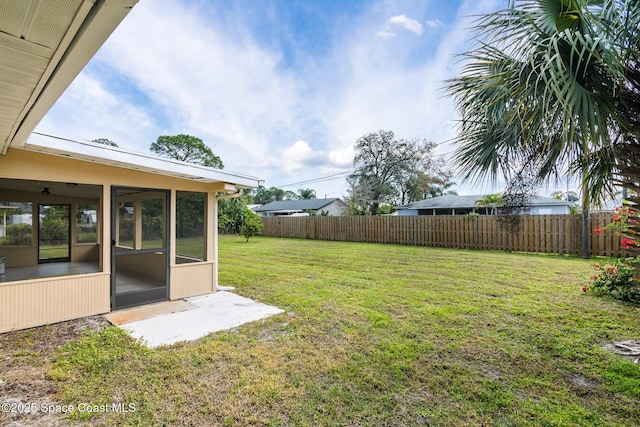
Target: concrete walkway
{"points": [[189, 319]]}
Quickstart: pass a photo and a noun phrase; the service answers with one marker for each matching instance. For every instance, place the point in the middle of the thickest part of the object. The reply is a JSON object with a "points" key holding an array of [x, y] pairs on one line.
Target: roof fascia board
{"points": [[147, 162], [91, 27]]}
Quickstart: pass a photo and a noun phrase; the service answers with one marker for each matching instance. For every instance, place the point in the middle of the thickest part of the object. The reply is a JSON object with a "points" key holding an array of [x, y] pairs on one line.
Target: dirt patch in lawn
{"points": [[26, 392]]}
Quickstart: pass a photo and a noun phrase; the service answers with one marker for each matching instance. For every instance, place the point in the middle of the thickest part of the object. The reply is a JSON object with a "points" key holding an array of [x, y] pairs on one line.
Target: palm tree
{"points": [[548, 89], [490, 201], [441, 190], [307, 193]]}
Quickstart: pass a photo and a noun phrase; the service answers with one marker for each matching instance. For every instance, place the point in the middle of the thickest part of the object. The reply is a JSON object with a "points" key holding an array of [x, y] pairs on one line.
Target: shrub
{"points": [[619, 278], [251, 225], [625, 223], [17, 235]]}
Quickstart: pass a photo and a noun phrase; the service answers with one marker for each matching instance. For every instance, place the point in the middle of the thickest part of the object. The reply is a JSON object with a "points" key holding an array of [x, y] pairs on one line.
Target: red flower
{"points": [[584, 289], [615, 217], [628, 243], [598, 230]]}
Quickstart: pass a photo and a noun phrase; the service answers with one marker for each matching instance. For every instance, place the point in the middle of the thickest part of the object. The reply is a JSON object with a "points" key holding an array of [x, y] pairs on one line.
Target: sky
{"points": [[278, 89]]}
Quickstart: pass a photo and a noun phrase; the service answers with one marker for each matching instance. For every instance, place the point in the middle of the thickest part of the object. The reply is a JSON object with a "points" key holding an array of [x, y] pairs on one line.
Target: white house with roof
{"points": [[330, 207], [462, 205], [140, 245]]}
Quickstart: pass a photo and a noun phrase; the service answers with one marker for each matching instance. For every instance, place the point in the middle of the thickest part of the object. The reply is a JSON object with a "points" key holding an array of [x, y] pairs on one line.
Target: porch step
{"points": [[128, 315]]}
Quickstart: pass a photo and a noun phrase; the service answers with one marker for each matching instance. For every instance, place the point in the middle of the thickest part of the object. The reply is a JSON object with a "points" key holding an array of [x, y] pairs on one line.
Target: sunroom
{"points": [[87, 229]]}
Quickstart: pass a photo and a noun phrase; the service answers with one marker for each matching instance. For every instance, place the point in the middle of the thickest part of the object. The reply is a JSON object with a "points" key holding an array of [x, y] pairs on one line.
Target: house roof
{"points": [[127, 159], [450, 201], [44, 45], [296, 205]]}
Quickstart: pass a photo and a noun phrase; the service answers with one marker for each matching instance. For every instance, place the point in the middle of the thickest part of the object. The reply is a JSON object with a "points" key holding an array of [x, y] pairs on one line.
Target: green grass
{"points": [[53, 251], [185, 246], [378, 335]]}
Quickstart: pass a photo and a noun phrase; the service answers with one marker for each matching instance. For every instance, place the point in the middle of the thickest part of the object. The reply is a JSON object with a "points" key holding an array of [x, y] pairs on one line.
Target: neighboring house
{"points": [[134, 255], [462, 205], [331, 207]]}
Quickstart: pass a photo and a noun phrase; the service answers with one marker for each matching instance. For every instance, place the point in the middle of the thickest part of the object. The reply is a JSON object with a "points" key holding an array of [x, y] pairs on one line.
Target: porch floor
{"points": [[52, 269], [126, 281]]}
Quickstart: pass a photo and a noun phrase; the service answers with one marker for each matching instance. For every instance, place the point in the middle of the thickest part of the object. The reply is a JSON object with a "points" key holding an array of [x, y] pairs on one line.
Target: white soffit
{"points": [[44, 44], [134, 160]]}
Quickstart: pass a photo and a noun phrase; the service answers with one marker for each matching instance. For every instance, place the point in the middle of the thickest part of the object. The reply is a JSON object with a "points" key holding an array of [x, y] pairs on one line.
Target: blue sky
{"points": [[279, 89]]}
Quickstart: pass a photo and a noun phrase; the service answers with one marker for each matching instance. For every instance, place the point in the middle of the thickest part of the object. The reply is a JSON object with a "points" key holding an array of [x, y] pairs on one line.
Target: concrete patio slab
{"points": [[190, 319]]}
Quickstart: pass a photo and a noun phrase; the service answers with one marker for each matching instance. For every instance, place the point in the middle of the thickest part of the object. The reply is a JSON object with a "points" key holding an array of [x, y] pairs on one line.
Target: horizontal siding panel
{"points": [[192, 279], [39, 302]]}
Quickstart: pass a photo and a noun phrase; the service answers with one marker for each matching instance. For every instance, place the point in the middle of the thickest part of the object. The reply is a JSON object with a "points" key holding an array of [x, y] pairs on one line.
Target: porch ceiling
{"points": [[56, 189], [44, 44]]}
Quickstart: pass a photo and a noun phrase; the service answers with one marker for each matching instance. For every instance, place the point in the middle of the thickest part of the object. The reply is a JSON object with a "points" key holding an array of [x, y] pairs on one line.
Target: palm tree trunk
{"points": [[585, 248]]}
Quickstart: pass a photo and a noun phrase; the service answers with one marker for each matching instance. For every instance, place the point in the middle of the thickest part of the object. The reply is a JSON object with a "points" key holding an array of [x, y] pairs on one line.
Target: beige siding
{"points": [[83, 252], [19, 256], [188, 280], [22, 164], [31, 303]]}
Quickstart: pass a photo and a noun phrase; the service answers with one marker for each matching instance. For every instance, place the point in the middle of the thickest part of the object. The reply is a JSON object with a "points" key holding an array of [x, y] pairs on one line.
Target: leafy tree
{"points": [[190, 209], [251, 225], [54, 224], [186, 148], [569, 196], [356, 202], [231, 213], [190, 206], [263, 195], [437, 190], [550, 88], [152, 218], [105, 141], [392, 171], [306, 193]]}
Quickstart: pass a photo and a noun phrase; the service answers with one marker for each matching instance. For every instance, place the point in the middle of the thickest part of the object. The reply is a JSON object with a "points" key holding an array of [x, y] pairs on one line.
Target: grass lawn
{"points": [[378, 335]]}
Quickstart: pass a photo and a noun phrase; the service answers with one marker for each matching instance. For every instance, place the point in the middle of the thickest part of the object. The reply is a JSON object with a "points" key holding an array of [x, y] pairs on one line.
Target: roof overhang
{"points": [[133, 160], [44, 45]]}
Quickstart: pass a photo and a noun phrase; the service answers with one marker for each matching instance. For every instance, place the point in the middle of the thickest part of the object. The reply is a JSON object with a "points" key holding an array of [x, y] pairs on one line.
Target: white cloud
{"points": [[89, 110], [213, 77], [300, 155], [434, 23], [220, 86], [378, 90], [408, 23], [385, 34], [342, 157]]}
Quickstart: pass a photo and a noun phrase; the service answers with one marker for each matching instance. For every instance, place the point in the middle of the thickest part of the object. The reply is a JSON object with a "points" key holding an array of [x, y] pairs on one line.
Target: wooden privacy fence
{"points": [[558, 234]]}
